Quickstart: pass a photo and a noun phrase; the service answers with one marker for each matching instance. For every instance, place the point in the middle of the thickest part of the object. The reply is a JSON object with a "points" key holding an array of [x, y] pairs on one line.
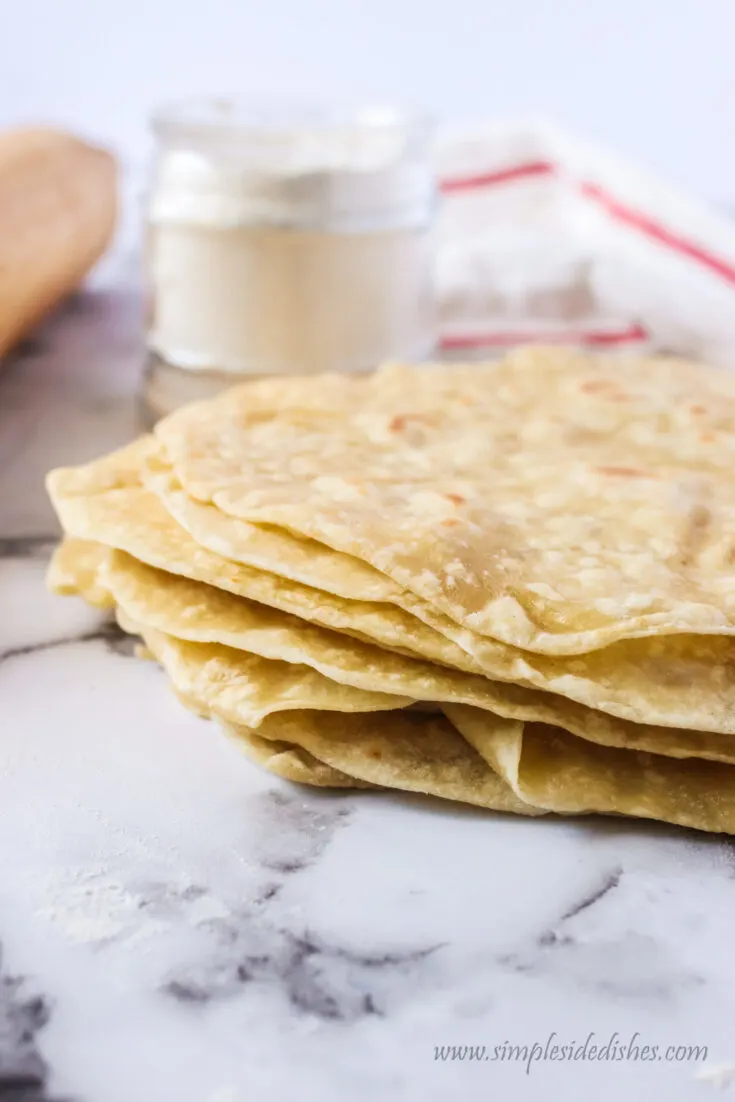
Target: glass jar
{"points": [[285, 245]]}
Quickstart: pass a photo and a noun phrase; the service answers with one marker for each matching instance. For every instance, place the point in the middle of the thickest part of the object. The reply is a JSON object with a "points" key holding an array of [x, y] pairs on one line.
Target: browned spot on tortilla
{"points": [[697, 410], [401, 420], [607, 388], [450, 522], [625, 472], [457, 499], [706, 437]]}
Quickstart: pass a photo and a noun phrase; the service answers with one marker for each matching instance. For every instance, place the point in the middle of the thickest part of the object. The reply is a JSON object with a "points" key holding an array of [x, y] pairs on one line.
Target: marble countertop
{"points": [[178, 926]]}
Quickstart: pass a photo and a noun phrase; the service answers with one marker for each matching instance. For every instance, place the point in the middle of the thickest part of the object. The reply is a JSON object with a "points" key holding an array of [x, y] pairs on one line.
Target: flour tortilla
{"points": [[76, 568], [243, 688], [641, 683], [199, 613], [268, 549], [467, 755], [297, 559], [555, 501], [686, 682], [558, 772], [133, 520], [547, 770], [290, 762], [285, 760], [114, 471], [409, 751], [522, 768]]}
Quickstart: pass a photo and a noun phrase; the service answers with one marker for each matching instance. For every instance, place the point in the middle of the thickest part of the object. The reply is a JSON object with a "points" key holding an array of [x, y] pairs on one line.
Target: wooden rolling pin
{"points": [[57, 216]]}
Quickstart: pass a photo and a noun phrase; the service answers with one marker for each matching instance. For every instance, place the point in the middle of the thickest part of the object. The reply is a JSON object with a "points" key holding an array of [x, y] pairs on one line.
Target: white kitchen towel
{"points": [[546, 237]]}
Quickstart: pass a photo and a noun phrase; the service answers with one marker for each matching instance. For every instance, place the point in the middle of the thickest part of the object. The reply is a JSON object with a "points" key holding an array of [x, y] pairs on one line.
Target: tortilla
{"points": [[558, 772], [76, 568], [682, 681], [114, 471], [268, 549], [555, 501], [243, 688], [133, 520], [285, 760], [409, 751], [199, 613], [468, 754], [290, 762], [182, 612], [508, 766]]}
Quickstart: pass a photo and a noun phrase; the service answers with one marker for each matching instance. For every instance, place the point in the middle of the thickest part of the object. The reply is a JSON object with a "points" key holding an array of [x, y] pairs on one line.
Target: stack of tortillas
{"points": [[510, 584]]}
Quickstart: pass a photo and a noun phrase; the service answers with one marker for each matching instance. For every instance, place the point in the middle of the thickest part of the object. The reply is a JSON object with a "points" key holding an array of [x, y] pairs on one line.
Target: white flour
{"points": [[89, 907], [289, 249]]}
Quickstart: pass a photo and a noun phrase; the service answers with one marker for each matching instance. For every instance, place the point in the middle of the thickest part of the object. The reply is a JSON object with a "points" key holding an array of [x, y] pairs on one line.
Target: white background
{"points": [[656, 78]]}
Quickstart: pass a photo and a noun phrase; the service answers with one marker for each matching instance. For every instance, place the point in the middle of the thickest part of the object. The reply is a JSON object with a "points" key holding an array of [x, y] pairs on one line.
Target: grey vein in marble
{"points": [[249, 946], [23, 1071], [110, 634], [27, 547], [629, 965]]}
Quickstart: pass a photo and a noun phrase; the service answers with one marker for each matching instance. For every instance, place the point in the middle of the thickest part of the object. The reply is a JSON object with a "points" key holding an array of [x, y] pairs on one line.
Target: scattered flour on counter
{"points": [[90, 907], [133, 892]]}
